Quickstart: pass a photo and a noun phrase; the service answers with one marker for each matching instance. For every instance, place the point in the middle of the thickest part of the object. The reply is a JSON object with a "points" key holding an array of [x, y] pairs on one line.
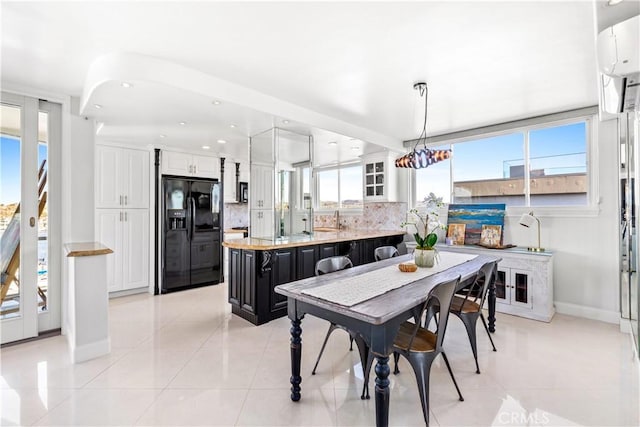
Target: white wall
{"points": [[77, 194], [79, 162]]}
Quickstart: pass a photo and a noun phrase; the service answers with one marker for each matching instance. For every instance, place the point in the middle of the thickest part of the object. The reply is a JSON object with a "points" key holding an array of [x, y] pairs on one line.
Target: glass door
{"points": [[28, 301]]}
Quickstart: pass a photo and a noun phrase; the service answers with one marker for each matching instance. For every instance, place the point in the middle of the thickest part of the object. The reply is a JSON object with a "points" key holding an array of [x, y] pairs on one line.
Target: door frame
{"points": [[28, 326]]}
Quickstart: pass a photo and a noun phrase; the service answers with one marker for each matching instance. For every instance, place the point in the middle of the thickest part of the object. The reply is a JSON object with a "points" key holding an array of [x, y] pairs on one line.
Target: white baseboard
{"points": [[90, 351], [128, 292], [588, 312]]}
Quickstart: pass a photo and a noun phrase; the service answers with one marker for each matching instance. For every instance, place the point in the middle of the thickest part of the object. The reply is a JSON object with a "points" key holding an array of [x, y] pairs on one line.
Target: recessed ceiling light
{"points": [[182, 123], [222, 141], [162, 136], [97, 106], [205, 147], [333, 143], [285, 121], [216, 102], [613, 2], [126, 84], [232, 126]]}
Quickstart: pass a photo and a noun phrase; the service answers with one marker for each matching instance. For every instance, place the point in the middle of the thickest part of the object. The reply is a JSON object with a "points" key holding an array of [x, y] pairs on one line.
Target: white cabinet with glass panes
{"points": [[380, 177], [524, 281]]}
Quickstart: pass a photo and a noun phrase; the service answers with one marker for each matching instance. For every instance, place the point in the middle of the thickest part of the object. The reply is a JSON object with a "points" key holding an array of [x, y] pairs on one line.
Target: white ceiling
{"points": [[341, 71]]}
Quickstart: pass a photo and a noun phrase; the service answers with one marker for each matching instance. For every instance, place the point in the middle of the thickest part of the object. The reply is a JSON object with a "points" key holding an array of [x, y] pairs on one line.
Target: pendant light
{"points": [[423, 157]]}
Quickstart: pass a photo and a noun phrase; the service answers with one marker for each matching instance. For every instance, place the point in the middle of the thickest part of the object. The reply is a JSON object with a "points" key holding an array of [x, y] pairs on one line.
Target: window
{"points": [[539, 165], [340, 188]]}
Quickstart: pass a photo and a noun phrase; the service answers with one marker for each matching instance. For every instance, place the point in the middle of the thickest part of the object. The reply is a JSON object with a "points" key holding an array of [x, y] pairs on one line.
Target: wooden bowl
{"points": [[407, 267]]}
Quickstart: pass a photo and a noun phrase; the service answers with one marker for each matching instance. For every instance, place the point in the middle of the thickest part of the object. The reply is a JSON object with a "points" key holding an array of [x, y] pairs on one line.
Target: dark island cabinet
{"points": [[307, 258], [282, 271], [254, 274], [328, 250]]}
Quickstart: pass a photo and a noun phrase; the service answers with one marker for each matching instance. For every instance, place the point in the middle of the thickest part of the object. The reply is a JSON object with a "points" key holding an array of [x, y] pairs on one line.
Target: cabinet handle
{"points": [[195, 168], [126, 216], [120, 216], [126, 201], [120, 200]]}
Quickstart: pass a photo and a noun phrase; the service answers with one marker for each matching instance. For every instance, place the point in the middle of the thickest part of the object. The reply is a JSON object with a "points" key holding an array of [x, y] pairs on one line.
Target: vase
{"points": [[424, 257]]}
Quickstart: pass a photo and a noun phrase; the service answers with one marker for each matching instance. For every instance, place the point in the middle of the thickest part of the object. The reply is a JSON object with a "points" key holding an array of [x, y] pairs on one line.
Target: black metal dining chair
{"points": [[384, 252], [324, 266], [467, 305], [421, 346]]}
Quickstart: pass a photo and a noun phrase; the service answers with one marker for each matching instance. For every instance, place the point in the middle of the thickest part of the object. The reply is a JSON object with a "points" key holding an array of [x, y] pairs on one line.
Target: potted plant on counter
{"points": [[425, 220]]}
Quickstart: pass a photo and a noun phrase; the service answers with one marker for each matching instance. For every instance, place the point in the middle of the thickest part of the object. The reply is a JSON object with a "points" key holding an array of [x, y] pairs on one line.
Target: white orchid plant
{"points": [[426, 222]]}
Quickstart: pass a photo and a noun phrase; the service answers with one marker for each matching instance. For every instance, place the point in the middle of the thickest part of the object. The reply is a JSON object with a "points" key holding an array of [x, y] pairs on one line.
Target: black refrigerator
{"points": [[191, 233]]}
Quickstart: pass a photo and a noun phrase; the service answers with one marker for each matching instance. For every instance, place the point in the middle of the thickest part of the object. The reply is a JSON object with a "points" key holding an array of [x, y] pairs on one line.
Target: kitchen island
{"points": [[257, 266]]}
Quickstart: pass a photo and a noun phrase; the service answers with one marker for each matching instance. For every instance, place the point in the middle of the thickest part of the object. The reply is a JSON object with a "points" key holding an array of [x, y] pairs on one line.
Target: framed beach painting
{"points": [[474, 216]]}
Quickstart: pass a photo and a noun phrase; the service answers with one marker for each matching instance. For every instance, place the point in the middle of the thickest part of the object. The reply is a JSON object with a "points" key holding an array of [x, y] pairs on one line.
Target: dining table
{"points": [[372, 301]]}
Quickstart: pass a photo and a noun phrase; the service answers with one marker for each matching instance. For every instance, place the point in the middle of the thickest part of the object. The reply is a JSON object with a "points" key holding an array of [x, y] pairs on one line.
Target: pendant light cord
{"points": [[424, 91]]}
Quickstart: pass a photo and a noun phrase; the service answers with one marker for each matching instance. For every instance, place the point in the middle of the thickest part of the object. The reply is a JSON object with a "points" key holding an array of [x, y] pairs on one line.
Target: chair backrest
{"points": [[331, 264], [440, 296], [477, 292], [384, 252]]}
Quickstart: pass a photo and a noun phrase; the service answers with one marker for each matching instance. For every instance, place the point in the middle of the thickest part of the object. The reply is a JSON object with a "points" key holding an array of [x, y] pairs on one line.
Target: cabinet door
{"points": [[108, 177], [283, 271], [230, 182], [109, 233], [261, 224], [175, 163], [521, 288], [206, 167], [354, 252], [261, 189], [136, 178], [248, 282], [135, 249], [307, 257], [235, 279], [327, 250], [503, 287]]}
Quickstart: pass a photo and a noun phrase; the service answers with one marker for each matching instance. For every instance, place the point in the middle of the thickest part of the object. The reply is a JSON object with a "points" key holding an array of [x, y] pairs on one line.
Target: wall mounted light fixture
{"points": [[528, 220]]}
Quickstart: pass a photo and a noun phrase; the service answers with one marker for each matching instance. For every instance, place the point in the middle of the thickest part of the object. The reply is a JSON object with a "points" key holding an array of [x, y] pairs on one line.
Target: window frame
{"points": [[587, 115], [316, 184]]}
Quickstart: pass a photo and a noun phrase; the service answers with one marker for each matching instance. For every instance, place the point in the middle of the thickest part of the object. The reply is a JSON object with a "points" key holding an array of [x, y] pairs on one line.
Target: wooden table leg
{"points": [[296, 356], [492, 306], [382, 391]]}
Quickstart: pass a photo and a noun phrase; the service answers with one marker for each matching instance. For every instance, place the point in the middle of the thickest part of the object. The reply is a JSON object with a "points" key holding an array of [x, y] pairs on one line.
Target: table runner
{"points": [[350, 291]]}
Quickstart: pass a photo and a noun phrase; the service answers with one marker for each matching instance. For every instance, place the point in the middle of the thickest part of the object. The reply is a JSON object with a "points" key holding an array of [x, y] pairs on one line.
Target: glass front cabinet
{"points": [[380, 177], [513, 287]]}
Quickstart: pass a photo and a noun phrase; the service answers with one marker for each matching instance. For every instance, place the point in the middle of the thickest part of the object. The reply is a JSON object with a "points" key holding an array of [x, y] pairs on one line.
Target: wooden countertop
{"points": [[86, 249], [318, 237]]}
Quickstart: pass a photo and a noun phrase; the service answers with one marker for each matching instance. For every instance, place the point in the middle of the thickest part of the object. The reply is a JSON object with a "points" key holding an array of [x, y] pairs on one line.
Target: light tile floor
{"points": [[183, 359]]}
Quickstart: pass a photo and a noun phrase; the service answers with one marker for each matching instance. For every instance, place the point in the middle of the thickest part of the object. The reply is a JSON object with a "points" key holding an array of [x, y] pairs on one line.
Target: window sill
{"points": [[555, 211]]}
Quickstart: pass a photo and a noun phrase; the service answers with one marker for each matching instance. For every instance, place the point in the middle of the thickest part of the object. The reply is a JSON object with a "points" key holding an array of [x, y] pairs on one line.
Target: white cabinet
{"points": [[126, 232], [185, 164], [380, 177], [262, 223], [122, 177], [524, 281], [261, 188]]}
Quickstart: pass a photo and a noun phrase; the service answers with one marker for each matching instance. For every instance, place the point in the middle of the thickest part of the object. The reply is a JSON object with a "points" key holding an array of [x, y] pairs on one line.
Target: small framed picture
{"points": [[456, 233], [491, 235]]}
